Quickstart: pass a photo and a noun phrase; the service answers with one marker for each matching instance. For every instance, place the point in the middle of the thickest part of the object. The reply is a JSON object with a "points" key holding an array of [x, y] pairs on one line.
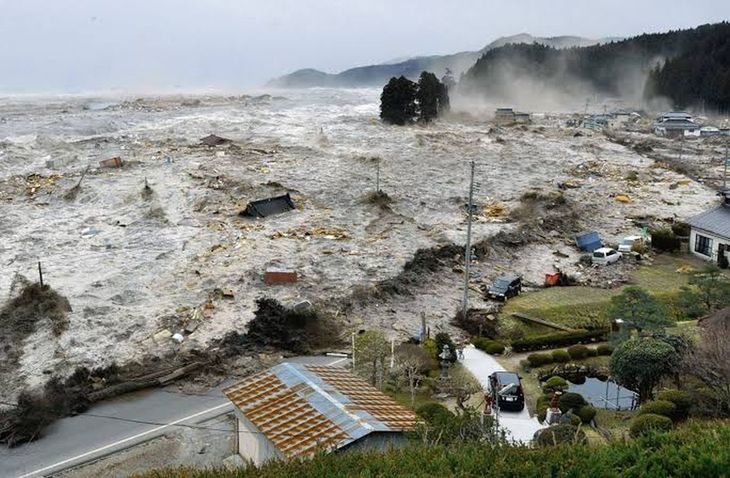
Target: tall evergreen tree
{"points": [[398, 101], [432, 97]]}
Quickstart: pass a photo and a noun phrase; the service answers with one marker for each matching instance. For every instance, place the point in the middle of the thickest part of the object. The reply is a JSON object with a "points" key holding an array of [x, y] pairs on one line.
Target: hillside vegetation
{"points": [[694, 450], [688, 67]]}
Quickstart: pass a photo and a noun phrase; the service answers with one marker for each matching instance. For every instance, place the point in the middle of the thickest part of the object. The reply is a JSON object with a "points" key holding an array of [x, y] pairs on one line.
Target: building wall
{"points": [[378, 441], [253, 445], [716, 241]]}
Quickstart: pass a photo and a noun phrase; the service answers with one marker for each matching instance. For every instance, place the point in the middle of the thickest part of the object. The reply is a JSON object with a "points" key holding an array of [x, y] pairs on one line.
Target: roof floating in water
{"points": [[268, 207], [213, 140]]}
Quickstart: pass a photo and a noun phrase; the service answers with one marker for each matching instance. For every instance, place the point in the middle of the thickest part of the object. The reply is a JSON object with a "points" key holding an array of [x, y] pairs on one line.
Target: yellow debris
{"points": [[495, 209], [623, 198], [686, 269]]}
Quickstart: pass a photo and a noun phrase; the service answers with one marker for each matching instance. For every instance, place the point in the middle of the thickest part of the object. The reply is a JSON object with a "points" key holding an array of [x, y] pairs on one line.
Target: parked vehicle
{"points": [[628, 243], [605, 256], [505, 287], [506, 391]]}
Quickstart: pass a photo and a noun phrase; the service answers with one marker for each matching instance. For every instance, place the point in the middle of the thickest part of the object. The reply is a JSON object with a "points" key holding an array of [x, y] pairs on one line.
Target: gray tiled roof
{"points": [[716, 221]]}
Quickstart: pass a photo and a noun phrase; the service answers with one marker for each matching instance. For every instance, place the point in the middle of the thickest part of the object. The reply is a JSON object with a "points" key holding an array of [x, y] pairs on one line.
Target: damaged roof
{"points": [[303, 409], [213, 140], [715, 221], [269, 206]]}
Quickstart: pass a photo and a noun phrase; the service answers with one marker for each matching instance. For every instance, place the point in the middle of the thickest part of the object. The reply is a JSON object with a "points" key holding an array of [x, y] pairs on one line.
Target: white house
{"points": [[295, 411], [676, 124], [710, 231]]}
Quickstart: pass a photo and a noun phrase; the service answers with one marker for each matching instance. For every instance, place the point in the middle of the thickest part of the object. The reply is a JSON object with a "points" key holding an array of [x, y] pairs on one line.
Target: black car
{"points": [[505, 287], [506, 391]]}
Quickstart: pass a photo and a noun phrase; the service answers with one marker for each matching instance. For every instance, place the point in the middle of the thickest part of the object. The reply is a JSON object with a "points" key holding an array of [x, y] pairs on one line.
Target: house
{"points": [[294, 411], [710, 231], [510, 116], [676, 124]]}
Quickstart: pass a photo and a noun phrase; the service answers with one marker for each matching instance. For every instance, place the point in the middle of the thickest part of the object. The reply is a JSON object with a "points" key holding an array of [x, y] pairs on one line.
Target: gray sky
{"points": [[157, 45]]}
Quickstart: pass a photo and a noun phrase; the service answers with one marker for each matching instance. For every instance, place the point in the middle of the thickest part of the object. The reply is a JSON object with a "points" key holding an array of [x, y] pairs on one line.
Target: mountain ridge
{"points": [[379, 74]]}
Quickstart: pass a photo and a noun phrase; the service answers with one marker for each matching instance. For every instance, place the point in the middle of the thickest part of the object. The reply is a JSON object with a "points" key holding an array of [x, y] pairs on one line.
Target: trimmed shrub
{"points": [[491, 347], [659, 407], [578, 352], [554, 384], [649, 422], [542, 405], [539, 359], [592, 352], [560, 356], [681, 229], [586, 413], [560, 433], [665, 240], [681, 400], [604, 349], [434, 413], [558, 339], [571, 401]]}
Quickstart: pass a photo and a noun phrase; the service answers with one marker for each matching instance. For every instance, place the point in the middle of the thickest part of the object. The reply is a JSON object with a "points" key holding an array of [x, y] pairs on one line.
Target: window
{"points": [[703, 245]]}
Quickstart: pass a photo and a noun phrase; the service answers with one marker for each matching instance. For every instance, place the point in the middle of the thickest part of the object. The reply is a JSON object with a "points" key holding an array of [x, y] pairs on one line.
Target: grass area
{"points": [[615, 423], [588, 306]]}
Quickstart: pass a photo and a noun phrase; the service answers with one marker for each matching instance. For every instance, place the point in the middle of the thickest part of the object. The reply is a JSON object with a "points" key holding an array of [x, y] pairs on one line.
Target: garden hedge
{"points": [[558, 339]]}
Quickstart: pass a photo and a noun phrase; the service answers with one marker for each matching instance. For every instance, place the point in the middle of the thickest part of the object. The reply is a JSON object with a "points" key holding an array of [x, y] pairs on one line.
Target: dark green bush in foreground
{"points": [[697, 450], [681, 400], [649, 422], [659, 407]]}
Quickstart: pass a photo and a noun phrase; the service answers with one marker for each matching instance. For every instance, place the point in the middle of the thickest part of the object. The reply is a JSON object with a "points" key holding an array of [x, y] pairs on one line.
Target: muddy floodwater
{"points": [[138, 265]]}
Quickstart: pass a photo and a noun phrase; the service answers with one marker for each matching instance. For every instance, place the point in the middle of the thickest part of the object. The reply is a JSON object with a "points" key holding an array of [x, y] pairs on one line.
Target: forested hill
{"points": [[378, 75], [688, 67]]}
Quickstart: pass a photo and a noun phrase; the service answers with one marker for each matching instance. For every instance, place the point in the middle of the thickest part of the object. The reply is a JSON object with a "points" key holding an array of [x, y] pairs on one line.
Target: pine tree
{"points": [[398, 101]]}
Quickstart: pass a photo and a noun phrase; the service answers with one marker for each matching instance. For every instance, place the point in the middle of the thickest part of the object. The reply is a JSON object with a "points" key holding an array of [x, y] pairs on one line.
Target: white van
{"points": [[605, 256]]}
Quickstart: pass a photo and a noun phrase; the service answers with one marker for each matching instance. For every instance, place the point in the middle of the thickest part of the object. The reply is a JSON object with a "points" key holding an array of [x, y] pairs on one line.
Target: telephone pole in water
{"points": [[467, 254]]}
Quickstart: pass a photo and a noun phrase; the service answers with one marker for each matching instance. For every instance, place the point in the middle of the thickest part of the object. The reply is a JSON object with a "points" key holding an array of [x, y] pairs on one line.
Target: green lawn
{"points": [[587, 306]]}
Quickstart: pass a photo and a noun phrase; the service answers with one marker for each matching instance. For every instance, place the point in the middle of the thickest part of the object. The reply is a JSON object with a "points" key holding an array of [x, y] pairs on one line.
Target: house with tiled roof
{"points": [[710, 232], [294, 411]]}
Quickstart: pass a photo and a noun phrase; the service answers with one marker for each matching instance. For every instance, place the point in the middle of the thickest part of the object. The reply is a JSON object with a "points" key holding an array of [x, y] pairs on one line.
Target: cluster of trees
{"points": [[696, 71], [646, 355], [402, 101]]}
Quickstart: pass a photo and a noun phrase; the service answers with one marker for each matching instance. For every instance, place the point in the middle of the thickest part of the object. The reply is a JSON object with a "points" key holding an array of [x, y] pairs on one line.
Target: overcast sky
{"points": [[158, 45]]}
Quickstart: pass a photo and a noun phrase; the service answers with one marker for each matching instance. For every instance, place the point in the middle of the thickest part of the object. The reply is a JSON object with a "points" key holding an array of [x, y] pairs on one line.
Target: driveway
{"points": [[520, 426]]}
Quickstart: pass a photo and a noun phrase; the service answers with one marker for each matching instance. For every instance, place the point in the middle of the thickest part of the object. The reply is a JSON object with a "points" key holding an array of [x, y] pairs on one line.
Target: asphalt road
{"points": [[519, 426], [118, 424]]}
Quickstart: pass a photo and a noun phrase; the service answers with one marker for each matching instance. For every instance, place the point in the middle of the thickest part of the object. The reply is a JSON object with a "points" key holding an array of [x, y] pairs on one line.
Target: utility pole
{"points": [[724, 174], [40, 272], [353, 350], [377, 179], [467, 254]]}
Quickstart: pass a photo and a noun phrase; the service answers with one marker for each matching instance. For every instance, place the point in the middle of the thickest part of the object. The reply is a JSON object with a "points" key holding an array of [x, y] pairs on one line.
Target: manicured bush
{"points": [[681, 400], [592, 352], [665, 240], [539, 359], [560, 433], [434, 413], [542, 405], [586, 413], [649, 422], [560, 356], [554, 384], [489, 346], [578, 352], [604, 349], [659, 407], [571, 401], [558, 339]]}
